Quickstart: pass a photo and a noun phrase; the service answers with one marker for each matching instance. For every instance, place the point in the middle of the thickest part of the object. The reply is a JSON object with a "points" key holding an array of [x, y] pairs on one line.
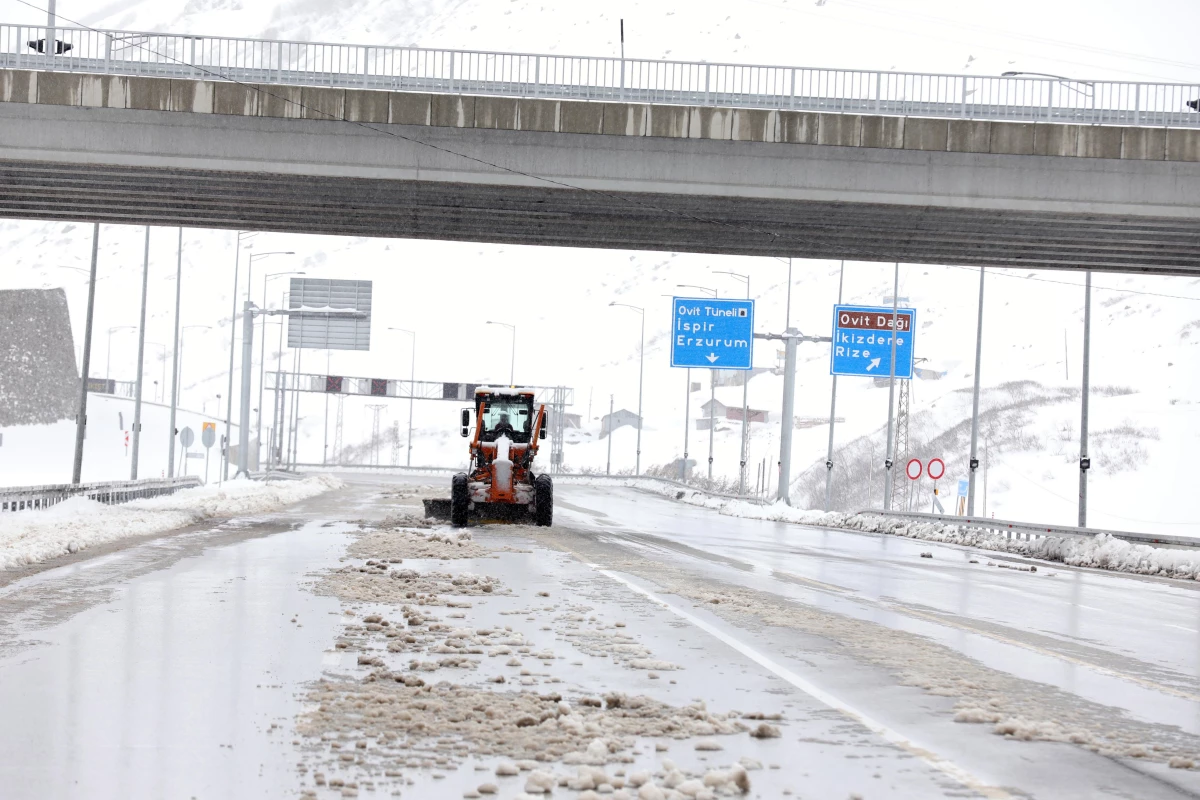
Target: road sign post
{"points": [[862, 341], [208, 437], [186, 437], [935, 470], [913, 469], [712, 333]]}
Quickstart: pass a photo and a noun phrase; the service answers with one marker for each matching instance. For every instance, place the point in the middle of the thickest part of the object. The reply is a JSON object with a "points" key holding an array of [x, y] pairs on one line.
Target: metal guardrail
{"points": [[415, 69], [1030, 530], [27, 498]]}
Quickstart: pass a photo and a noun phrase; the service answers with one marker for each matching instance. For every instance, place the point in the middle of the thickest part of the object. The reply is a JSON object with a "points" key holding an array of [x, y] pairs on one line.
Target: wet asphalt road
{"points": [[159, 670]]}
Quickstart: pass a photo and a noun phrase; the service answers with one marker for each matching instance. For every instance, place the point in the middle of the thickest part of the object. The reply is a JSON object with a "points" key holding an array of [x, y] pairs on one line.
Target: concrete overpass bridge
{"points": [[773, 161]]}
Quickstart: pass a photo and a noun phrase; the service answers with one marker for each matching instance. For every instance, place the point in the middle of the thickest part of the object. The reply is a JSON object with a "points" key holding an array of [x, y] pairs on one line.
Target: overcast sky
{"points": [[1148, 40]]}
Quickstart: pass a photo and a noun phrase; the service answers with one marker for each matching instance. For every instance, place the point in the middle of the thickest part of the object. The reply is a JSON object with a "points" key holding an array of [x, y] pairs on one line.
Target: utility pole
{"points": [[887, 462], [790, 339], [745, 445], [786, 425], [832, 394], [1085, 463], [52, 31], [974, 462], [175, 357], [86, 365], [243, 468], [325, 441], [712, 425], [376, 409], [641, 374], [687, 413], [609, 427], [137, 399]]}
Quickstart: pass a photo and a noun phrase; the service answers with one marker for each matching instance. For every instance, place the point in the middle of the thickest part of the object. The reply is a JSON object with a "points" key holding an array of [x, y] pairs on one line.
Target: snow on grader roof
{"points": [[503, 390]]}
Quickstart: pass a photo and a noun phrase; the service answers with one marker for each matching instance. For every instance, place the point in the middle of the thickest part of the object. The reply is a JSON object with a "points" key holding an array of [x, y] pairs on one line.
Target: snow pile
{"points": [[1102, 551], [29, 537]]}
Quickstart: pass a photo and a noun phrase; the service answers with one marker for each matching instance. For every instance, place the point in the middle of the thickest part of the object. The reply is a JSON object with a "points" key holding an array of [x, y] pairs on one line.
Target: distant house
{"points": [[618, 419], [719, 409], [568, 420], [755, 414]]}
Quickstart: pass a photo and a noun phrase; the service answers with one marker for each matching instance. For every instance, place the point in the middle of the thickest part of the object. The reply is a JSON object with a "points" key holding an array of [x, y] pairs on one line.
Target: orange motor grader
{"points": [[500, 485]]}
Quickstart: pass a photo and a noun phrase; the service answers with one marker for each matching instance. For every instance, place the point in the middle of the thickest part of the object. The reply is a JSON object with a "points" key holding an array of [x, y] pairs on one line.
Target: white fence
{"points": [[1021, 98]]}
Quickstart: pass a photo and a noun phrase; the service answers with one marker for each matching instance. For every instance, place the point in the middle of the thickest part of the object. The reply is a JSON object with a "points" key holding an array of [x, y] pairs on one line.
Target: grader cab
{"points": [[500, 485]]}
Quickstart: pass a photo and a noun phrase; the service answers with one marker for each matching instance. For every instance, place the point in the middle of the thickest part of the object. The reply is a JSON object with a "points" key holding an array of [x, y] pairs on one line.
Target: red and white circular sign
{"points": [[937, 468], [913, 470]]}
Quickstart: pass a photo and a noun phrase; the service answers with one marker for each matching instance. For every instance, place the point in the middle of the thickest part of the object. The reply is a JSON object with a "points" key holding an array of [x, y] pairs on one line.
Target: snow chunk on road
{"points": [[30, 537]]}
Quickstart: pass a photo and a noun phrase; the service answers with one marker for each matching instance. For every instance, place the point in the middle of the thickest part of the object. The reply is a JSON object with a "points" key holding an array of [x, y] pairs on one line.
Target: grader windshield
{"points": [[510, 415]]}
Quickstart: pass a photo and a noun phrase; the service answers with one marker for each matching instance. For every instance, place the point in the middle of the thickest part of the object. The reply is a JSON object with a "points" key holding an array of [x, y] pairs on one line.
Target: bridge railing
{"points": [[25, 498], [1021, 98]]}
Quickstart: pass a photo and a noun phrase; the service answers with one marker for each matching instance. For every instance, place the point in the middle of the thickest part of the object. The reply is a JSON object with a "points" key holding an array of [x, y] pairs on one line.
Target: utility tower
{"points": [[376, 409], [396, 443], [902, 495], [337, 433]]}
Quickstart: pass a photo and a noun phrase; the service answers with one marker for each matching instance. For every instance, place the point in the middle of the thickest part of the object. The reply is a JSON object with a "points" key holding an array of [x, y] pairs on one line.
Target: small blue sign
{"points": [[707, 332], [964, 486], [862, 341]]}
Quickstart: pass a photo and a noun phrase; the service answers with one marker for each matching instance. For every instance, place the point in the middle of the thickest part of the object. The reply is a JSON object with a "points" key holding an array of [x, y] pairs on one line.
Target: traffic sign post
{"points": [[208, 437], [712, 333], [186, 437], [913, 469], [935, 470], [862, 341]]}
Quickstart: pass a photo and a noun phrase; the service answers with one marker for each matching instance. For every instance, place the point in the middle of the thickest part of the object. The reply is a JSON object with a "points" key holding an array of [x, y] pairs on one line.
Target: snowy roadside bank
{"points": [[1100, 552], [29, 537]]}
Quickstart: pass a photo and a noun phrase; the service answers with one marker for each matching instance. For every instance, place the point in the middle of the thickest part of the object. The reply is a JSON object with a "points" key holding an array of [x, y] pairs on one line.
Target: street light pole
{"points": [[641, 374], [175, 357], [712, 387], [513, 362], [832, 403], [412, 390], [85, 366], [262, 355], [608, 464], [137, 397], [746, 391], [1085, 463], [973, 464], [887, 463], [233, 315]]}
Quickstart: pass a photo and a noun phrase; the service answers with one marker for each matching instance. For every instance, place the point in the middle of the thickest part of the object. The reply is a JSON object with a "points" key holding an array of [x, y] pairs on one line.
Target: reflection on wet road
{"points": [[179, 667]]}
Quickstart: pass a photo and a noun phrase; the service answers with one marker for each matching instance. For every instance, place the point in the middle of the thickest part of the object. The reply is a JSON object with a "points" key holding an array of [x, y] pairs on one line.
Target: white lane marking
{"points": [[929, 757]]}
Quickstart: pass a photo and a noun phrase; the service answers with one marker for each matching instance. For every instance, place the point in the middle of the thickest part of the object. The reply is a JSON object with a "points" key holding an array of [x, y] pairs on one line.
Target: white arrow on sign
{"points": [[712, 358], [874, 363]]}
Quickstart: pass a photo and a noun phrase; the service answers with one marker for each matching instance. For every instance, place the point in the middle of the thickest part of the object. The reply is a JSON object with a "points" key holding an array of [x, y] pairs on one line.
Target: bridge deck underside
{"points": [[606, 219]]}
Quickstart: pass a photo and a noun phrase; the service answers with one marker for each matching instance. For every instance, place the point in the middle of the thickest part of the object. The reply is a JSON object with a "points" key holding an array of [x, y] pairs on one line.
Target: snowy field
{"points": [[29, 537]]}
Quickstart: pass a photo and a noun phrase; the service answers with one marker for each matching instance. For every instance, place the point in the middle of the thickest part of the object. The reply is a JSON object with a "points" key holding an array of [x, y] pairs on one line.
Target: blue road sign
{"points": [[964, 486], [707, 332], [862, 341]]}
